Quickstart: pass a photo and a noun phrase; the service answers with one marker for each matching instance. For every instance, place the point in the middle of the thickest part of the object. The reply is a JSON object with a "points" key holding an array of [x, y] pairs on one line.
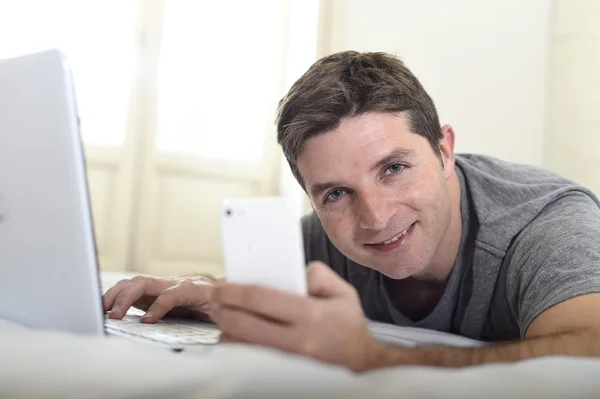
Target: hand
{"points": [[328, 325], [179, 297]]}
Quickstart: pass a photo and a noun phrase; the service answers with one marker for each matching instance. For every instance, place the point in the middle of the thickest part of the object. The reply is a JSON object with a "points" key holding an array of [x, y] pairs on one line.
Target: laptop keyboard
{"points": [[170, 333]]}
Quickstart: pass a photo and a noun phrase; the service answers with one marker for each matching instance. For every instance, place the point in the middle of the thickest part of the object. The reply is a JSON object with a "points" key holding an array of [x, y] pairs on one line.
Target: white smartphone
{"points": [[262, 243]]}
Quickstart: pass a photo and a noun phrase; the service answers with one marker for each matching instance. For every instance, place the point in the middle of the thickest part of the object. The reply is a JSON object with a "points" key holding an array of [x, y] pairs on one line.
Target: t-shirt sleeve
{"points": [[318, 247], [315, 240], [555, 258]]}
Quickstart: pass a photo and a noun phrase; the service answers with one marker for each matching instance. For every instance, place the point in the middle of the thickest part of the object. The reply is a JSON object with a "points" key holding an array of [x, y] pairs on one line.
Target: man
{"points": [[405, 232]]}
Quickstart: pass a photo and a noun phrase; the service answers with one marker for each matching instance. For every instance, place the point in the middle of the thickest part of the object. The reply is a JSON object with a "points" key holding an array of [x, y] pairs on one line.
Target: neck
{"points": [[444, 259]]}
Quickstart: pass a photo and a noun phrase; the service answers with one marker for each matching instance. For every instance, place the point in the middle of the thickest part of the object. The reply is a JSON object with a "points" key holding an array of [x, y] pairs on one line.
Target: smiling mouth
{"points": [[394, 238]]}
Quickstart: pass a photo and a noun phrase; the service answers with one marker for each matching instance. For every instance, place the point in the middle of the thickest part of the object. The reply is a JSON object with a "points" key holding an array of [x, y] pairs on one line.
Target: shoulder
{"points": [[568, 224], [490, 174], [556, 257], [317, 246], [510, 199], [316, 243], [312, 230]]}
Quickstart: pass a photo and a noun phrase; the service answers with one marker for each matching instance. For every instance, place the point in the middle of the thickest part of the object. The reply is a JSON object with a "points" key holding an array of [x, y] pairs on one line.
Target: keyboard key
{"points": [[165, 332]]}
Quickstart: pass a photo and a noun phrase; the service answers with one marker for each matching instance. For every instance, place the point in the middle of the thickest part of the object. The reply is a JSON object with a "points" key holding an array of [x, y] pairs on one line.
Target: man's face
{"points": [[381, 192]]}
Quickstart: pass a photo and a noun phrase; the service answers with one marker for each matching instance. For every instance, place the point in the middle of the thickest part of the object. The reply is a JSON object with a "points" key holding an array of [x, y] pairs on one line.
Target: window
{"points": [[218, 76], [98, 38]]}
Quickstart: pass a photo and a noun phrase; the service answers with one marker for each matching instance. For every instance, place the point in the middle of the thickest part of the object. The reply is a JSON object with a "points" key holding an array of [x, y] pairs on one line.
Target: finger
{"points": [[264, 301], [185, 293], [324, 282], [254, 329], [228, 339], [133, 291], [108, 299]]}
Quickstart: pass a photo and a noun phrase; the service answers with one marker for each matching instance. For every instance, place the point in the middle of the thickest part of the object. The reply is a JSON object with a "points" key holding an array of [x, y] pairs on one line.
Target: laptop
{"points": [[49, 275]]}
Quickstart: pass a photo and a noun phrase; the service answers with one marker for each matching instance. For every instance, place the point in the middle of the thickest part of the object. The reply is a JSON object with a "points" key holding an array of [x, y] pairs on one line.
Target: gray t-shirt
{"points": [[530, 240]]}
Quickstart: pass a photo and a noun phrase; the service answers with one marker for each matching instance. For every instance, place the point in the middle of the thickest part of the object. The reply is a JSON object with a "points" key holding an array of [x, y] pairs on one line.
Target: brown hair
{"points": [[348, 84]]}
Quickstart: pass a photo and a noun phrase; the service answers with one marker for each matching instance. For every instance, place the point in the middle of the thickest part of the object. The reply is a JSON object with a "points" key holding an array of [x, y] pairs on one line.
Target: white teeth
{"points": [[396, 238]]}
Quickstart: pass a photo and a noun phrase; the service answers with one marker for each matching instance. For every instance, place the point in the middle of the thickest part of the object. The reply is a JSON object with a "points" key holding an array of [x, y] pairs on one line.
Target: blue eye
{"points": [[335, 195], [394, 168]]}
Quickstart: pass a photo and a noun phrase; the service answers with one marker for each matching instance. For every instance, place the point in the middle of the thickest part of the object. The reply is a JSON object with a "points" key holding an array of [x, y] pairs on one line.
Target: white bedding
{"points": [[52, 364]]}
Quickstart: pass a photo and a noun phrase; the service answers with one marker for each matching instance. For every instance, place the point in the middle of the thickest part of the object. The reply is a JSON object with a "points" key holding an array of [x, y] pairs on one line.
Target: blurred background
{"points": [[177, 98]]}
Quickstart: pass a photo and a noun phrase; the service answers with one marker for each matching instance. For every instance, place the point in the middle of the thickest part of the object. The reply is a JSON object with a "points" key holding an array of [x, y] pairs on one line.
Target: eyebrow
{"points": [[397, 154], [318, 188]]}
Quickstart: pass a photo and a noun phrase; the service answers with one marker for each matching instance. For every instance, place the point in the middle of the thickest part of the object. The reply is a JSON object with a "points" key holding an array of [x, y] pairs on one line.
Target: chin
{"points": [[392, 271], [398, 270], [398, 274]]}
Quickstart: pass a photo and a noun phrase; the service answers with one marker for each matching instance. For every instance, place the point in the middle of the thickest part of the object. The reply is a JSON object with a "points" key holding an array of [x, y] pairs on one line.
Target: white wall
{"points": [[483, 62], [573, 139]]}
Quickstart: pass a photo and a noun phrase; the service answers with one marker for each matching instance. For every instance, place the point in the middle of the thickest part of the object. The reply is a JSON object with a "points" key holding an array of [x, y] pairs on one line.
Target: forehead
{"points": [[358, 142]]}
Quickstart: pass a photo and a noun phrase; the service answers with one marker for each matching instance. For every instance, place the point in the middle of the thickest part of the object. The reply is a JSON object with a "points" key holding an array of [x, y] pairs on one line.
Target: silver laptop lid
{"points": [[48, 268]]}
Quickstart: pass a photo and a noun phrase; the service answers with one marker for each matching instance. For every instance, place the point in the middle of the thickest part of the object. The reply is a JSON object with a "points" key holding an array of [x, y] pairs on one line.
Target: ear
{"points": [[446, 144]]}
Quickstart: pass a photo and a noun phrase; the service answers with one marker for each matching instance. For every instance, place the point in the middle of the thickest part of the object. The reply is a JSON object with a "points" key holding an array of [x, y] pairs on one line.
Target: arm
{"points": [[329, 326], [553, 281], [565, 329], [553, 285]]}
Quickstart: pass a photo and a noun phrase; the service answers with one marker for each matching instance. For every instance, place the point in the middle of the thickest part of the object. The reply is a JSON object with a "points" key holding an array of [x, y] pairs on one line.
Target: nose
{"points": [[374, 212]]}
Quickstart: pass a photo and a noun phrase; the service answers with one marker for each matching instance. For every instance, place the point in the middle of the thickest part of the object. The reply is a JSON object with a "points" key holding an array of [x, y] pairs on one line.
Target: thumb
{"points": [[324, 282]]}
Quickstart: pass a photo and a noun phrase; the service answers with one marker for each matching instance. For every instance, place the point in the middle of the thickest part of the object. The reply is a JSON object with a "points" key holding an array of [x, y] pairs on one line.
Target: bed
{"points": [[36, 363]]}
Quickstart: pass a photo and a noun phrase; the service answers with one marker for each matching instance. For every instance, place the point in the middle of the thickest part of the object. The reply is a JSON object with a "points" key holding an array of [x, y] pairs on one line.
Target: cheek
{"points": [[421, 191], [335, 223], [426, 194]]}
